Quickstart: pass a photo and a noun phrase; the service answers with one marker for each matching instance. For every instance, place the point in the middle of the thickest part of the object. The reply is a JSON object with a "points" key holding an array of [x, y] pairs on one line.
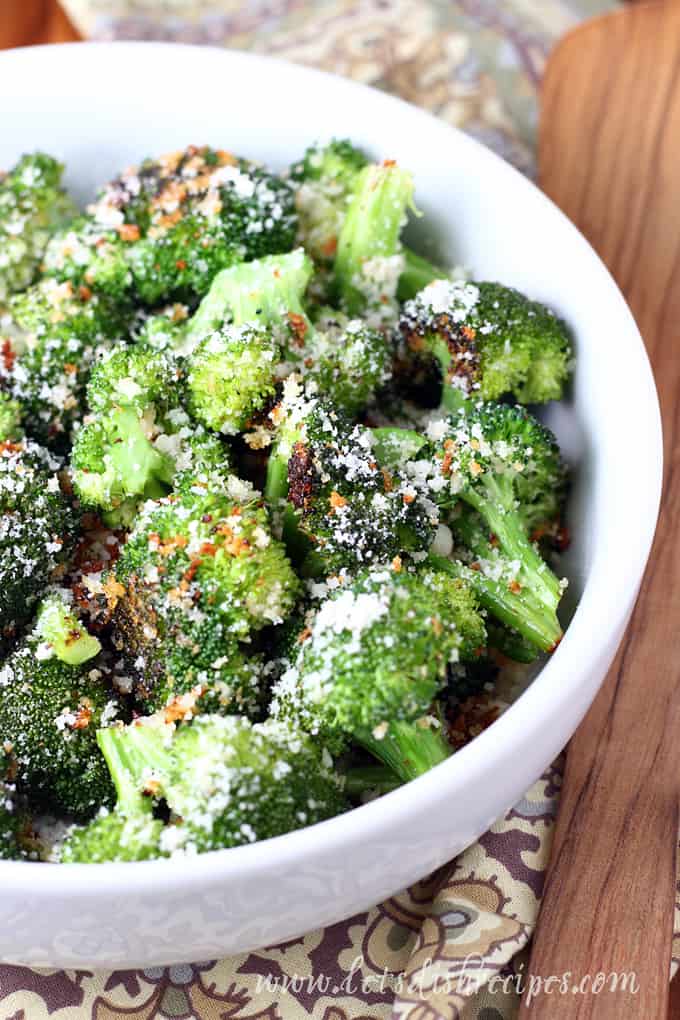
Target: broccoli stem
{"points": [[408, 749], [370, 778], [418, 272], [143, 470], [132, 753], [267, 291], [393, 446], [371, 229], [521, 610], [496, 506], [276, 482]]}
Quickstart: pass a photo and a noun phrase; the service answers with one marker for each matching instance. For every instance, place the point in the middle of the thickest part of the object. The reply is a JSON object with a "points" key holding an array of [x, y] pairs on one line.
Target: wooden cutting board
{"points": [[609, 155]]}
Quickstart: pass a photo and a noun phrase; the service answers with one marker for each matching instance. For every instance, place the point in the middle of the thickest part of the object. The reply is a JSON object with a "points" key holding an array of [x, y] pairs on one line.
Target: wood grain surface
{"points": [[609, 154], [29, 22]]}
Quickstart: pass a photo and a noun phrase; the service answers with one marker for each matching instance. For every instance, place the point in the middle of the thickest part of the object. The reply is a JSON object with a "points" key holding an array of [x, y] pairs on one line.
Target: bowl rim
{"points": [[513, 728]]}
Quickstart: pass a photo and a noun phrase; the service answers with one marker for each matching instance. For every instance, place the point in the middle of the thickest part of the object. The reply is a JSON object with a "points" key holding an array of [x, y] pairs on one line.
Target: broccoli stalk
{"points": [[418, 272], [135, 755], [369, 259], [61, 629], [362, 779], [407, 749]]}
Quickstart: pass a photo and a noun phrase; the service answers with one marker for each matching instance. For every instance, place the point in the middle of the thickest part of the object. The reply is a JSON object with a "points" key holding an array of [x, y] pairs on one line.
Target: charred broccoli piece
{"points": [[486, 340], [198, 574], [342, 511], [162, 230], [53, 336], [33, 205], [374, 662], [50, 711], [38, 529]]}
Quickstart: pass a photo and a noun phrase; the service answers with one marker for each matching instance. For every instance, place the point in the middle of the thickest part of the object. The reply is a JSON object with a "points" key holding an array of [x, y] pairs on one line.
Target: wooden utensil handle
{"points": [[608, 154]]}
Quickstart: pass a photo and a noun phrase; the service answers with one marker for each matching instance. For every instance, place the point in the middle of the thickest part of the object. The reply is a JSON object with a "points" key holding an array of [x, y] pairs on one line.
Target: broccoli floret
{"points": [[53, 338], [139, 444], [129, 832], [165, 228], [325, 179], [90, 253], [370, 259], [49, 714], [199, 574], [374, 661], [503, 464], [233, 369], [38, 528], [351, 511], [166, 329], [231, 376], [33, 205], [10, 419], [488, 340]]}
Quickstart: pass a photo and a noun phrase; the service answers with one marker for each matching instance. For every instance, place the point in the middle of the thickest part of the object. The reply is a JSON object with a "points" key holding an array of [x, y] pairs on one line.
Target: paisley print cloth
{"points": [[455, 945]]}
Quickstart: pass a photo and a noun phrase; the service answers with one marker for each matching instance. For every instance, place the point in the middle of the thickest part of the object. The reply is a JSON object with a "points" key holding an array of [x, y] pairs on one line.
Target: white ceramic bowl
{"points": [[100, 107]]}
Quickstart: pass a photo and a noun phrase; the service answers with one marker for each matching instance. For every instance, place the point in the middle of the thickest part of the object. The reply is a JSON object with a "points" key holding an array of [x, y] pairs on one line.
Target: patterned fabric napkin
{"points": [[454, 945]]}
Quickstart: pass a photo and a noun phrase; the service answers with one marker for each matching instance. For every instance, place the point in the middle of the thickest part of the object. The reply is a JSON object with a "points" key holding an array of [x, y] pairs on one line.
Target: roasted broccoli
{"points": [[198, 574], [374, 661], [138, 443], [50, 710], [501, 462], [336, 496], [33, 205], [128, 832], [13, 819], [233, 369], [486, 340], [325, 180], [162, 230], [53, 336], [370, 258], [38, 529], [225, 781]]}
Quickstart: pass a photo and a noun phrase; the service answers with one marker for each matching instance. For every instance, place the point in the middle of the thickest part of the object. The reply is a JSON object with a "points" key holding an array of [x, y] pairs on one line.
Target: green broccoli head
{"points": [[49, 714], [200, 573], [233, 782], [231, 376], [113, 836], [374, 660], [90, 253], [38, 530], [136, 377], [352, 512], [325, 178], [487, 339], [164, 229], [10, 419], [267, 292], [347, 359], [499, 456], [166, 329], [53, 337], [33, 205]]}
